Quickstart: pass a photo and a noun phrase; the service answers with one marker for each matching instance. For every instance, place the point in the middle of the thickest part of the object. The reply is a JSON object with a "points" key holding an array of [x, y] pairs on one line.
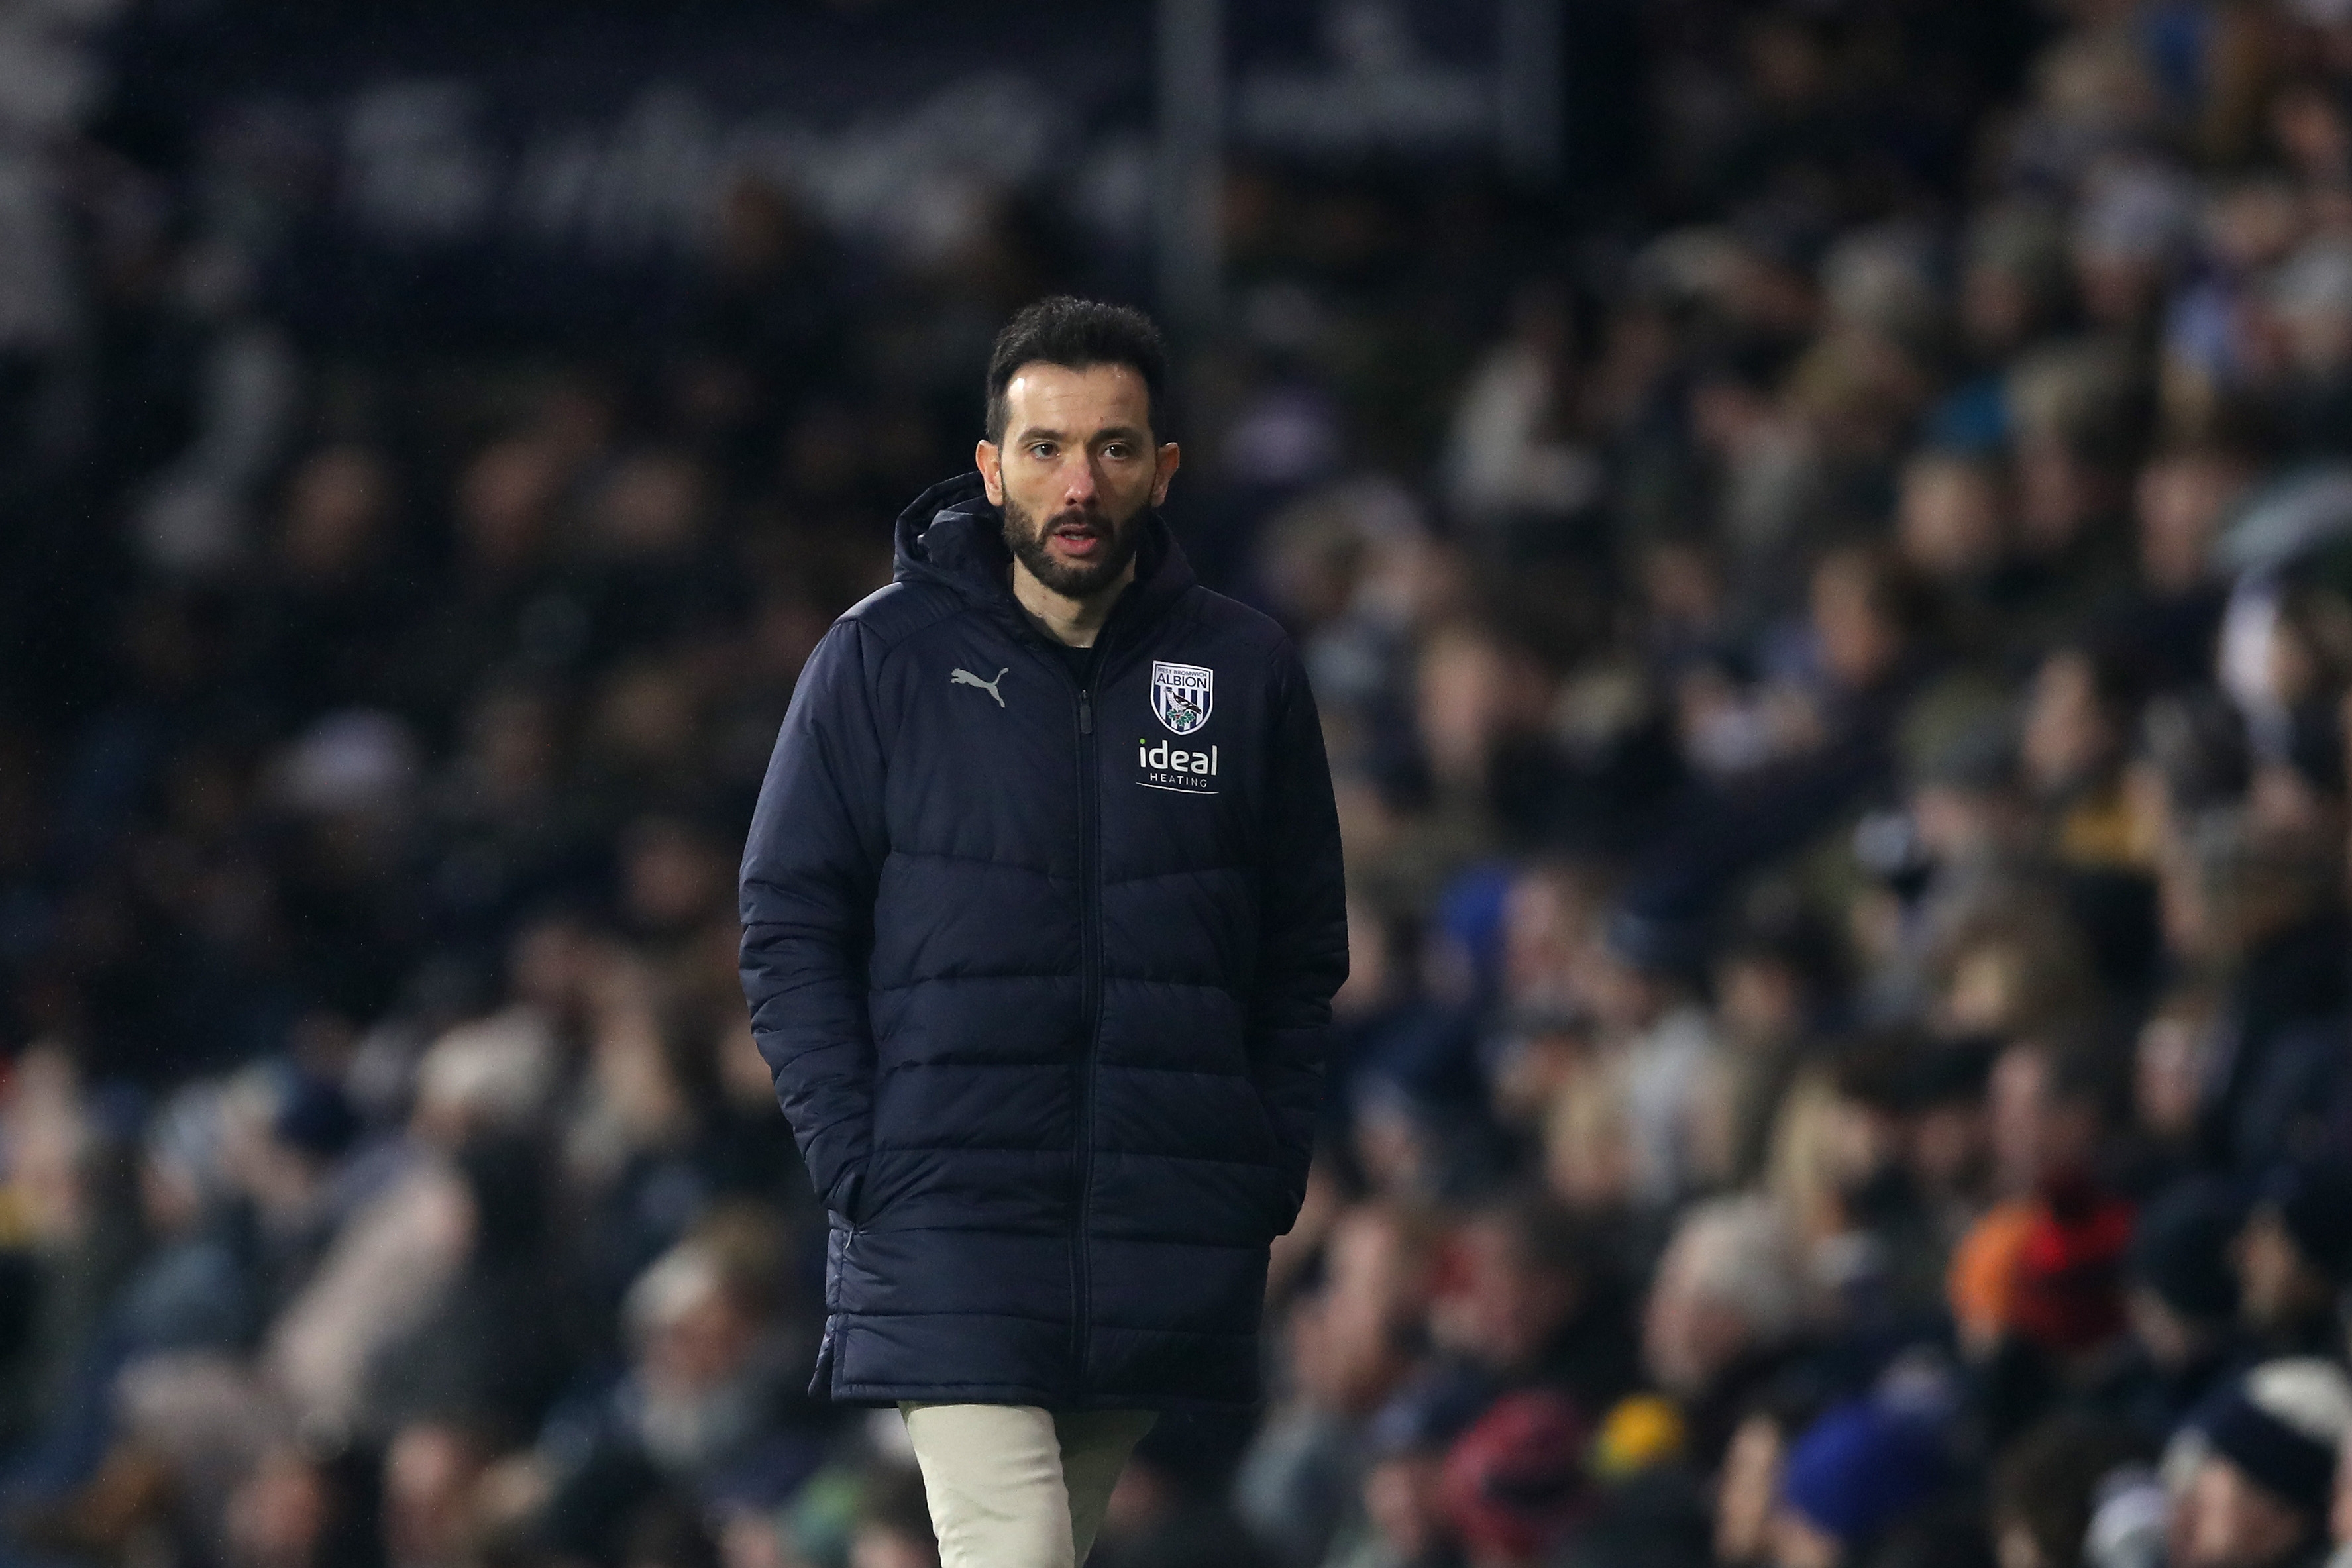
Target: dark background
{"points": [[1815, 525]]}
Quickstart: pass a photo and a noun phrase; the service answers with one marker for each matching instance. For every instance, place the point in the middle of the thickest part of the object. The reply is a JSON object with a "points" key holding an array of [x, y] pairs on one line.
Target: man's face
{"points": [[2237, 1523], [1075, 472]]}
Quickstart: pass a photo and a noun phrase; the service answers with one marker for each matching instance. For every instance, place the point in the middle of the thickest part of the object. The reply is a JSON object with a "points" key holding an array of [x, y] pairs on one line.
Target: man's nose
{"points": [[1078, 480]]}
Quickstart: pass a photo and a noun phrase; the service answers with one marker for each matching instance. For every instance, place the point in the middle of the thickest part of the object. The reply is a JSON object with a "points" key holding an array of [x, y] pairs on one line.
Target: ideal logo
{"points": [[1182, 695], [1184, 772]]}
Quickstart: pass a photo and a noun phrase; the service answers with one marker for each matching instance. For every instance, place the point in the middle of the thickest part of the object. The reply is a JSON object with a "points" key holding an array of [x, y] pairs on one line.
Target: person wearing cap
{"points": [[2293, 1257], [2260, 1493], [1860, 1472]]}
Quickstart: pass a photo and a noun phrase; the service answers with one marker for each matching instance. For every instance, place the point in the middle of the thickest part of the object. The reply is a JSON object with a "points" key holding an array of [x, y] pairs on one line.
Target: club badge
{"points": [[1182, 695]]}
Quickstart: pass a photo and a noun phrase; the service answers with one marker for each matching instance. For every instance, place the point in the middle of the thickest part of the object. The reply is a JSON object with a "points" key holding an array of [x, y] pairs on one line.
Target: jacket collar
{"points": [[953, 536]]}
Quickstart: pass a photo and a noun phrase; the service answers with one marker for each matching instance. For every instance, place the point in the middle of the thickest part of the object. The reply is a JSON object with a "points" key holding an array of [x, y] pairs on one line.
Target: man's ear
{"points": [[990, 464], [1165, 463]]}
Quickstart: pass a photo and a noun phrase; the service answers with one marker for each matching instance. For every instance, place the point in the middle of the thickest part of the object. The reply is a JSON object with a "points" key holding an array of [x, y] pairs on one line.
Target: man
{"points": [[1862, 1471], [1725, 1314], [2182, 1302], [1043, 914], [2259, 1494], [2294, 1257]]}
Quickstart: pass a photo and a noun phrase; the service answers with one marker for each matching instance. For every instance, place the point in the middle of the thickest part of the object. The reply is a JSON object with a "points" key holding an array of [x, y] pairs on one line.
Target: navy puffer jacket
{"points": [[1043, 974]]}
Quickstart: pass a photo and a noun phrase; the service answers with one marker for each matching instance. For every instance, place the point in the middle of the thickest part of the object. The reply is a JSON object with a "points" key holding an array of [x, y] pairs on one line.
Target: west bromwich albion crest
{"points": [[1182, 695]]}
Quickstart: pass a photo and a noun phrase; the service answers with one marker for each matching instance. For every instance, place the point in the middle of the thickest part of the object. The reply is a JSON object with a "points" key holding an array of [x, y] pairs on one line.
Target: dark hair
{"points": [[1075, 334]]}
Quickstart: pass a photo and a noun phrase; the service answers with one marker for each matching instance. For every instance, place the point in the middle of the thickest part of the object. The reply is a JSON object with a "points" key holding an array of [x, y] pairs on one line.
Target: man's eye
{"points": [[1041, 449], [1114, 450]]}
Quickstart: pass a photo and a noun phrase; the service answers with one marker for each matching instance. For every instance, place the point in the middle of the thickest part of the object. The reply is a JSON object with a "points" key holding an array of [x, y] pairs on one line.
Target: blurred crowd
{"points": [[1835, 659]]}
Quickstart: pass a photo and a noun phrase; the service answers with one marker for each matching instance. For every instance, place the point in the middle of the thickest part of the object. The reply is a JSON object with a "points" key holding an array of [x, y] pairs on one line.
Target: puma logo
{"points": [[966, 678]]}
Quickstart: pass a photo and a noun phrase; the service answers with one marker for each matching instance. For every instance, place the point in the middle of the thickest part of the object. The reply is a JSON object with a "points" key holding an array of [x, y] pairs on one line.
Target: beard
{"points": [[1027, 538]]}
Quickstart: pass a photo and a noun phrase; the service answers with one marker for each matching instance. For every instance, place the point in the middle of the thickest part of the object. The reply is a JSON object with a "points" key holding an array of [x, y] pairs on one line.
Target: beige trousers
{"points": [[1012, 1486]]}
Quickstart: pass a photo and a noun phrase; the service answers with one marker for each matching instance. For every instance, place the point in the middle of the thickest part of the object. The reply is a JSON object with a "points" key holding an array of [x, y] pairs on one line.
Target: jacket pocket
{"points": [[849, 1198]]}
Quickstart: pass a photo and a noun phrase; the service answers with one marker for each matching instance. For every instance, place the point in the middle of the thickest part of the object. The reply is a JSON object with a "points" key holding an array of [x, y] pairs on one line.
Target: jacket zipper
{"points": [[1090, 1003]]}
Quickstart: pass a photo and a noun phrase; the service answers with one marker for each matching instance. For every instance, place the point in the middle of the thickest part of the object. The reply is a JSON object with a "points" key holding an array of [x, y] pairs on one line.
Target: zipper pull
{"points": [[1086, 712]]}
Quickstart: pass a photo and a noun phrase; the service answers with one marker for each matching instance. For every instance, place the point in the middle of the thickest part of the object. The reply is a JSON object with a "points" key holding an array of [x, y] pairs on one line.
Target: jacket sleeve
{"points": [[1303, 927], [810, 870]]}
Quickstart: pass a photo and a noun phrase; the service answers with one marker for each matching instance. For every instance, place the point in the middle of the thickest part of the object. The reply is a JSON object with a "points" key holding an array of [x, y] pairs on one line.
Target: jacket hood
{"points": [[954, 536]]}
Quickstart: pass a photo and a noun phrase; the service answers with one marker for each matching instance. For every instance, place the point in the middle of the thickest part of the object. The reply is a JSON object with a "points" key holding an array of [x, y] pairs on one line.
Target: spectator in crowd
{"points": [[2262, 1485], [1725, 1312], [2183, 1299], [1861, 1473], [2292, 1259]]}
